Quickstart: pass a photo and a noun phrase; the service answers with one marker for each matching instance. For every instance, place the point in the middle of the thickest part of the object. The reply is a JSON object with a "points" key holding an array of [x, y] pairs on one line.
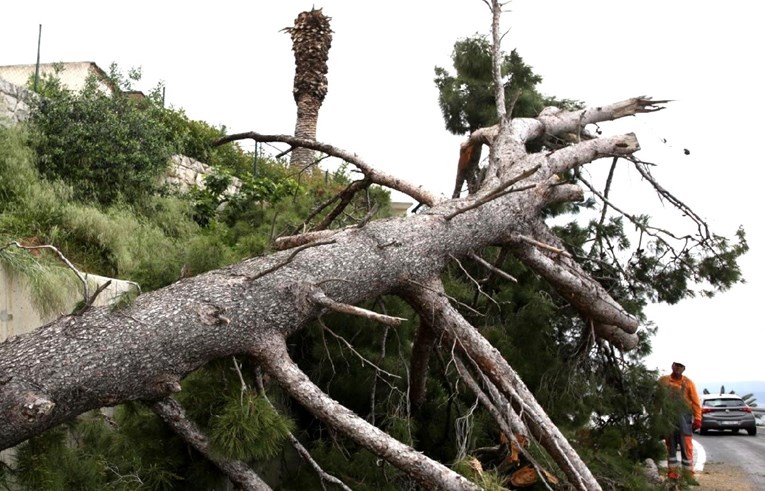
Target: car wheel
{"points": [[703, 431], [752, 431]]}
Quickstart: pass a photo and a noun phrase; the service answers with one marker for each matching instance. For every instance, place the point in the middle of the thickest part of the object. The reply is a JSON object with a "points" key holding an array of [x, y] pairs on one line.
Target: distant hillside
{"points": [[741, 388]]}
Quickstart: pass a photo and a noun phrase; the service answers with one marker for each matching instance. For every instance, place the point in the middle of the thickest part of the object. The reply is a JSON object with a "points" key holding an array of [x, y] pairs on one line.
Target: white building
{"points": [[73, 75]]}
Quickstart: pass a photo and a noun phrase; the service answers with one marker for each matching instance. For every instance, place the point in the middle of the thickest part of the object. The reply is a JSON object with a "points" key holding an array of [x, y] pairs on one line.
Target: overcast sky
{"points": [[227, 63]]}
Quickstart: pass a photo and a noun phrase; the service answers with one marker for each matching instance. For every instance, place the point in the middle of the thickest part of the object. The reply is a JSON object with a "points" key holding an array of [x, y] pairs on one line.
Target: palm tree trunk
{"points": [[311, 40], [305, 127]]}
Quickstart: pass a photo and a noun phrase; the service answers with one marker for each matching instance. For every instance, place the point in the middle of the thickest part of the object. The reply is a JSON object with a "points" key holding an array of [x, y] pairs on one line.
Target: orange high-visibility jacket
{"points": [[688, 389]]}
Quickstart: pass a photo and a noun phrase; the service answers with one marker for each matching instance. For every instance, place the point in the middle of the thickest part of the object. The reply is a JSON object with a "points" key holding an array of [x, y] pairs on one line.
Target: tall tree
{"points": [[527, 315], [467, 97], [311, 40]]}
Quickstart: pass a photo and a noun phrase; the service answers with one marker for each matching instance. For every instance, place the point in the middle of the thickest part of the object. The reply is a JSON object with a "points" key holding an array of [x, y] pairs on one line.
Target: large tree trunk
{"points": [[105, 357]]}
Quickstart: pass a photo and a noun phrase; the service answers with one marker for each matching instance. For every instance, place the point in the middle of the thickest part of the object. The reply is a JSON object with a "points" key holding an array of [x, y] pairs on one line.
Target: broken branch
{"points": [[377, 177], [320, 298], [272, 354], [173, 414]]}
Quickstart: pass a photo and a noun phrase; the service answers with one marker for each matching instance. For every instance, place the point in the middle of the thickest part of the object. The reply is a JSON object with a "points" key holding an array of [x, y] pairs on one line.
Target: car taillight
{"points": [[706, 409], [747, 409]]}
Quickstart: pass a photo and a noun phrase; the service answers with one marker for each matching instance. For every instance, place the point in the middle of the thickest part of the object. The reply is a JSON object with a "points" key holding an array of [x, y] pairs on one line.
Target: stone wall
{"points": [[13, 105], [184, 173]]}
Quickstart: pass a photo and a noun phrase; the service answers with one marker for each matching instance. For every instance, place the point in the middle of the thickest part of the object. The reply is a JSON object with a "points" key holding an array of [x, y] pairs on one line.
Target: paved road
{"points": [[741, 450]]}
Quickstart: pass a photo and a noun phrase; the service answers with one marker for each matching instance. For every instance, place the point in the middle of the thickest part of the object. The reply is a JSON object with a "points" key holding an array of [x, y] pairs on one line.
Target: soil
{"points": [[722, 477]]}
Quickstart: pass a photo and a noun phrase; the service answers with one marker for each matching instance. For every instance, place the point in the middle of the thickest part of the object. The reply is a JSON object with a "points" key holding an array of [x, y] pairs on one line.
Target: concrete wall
{"points": [[19, 315]]}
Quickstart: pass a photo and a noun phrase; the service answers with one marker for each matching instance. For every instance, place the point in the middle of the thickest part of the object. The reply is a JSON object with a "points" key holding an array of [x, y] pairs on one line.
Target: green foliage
{"points": [[608, 401], [151, 237], [42, 459], [360, 469], [614, 471], [154, 240], [658, 270], [27, 203], [132, 239], [719, 265], [45, 278], [586, 388], [487, 480], [91, 138], [467, 98], [24, 199], [94, 455], [208, 201], [205, 391], [147, 242], [155, 463], [248, 428], [207, 251], [196, 139], [632, 413], [17, 160], [400, 428]]}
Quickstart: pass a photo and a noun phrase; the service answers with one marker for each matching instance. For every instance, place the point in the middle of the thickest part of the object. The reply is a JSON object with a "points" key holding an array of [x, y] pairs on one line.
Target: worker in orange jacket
{"points": [[682, 437]]}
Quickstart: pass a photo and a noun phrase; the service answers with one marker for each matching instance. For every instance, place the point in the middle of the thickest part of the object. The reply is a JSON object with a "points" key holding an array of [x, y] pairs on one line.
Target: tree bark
{"points": [[305, 127], [430, 301], [104, 357], [427, 472], [418, 369], [173, 414]]}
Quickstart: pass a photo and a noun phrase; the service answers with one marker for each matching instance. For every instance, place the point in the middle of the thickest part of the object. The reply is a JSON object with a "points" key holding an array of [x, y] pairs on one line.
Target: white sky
{"points": [[228, 63]]}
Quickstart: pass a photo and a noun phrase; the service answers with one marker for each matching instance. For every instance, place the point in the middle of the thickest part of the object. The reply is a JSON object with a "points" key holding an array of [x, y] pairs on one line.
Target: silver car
{"points": [[726, 412]]}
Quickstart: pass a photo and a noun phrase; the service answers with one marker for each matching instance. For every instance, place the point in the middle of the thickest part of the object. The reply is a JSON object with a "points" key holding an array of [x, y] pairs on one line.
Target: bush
{"points": [[106, 146]]}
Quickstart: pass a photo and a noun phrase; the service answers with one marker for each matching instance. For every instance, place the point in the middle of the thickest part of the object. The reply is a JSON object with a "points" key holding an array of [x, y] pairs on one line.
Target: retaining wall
{"points": [[19, 315], [13, 103]]}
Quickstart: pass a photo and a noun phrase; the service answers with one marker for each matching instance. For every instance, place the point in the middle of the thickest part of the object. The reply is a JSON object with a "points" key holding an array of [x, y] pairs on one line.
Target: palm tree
{"points": [[311, 40], [749, 399]]}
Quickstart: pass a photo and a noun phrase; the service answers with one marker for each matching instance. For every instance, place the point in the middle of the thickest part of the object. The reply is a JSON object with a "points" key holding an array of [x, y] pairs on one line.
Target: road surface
{"points": [[739, 457]]}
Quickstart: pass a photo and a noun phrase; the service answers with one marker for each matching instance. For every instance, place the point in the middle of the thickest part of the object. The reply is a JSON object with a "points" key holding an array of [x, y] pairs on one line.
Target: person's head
{"points": [[677, 369]]}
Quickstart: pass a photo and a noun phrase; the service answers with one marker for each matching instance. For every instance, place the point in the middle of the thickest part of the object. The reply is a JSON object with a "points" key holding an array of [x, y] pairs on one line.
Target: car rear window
{"points": [[724, 403]]}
